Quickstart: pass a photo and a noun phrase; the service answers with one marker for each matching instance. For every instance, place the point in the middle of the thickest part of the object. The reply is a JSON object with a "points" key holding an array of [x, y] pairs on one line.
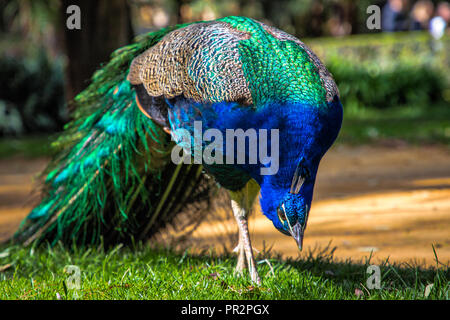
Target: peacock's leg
{"points": [[241, 204], [244, 242], [241, 255]]}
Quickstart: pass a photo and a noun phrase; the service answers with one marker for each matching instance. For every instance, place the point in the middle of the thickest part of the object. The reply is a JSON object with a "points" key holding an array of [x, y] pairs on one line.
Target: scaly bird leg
{"points": [[245, 246], [241, 255]]}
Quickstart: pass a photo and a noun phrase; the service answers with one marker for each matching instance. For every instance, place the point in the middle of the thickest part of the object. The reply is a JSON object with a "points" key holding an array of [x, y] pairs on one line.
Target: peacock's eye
{"points": [[281, 214]]}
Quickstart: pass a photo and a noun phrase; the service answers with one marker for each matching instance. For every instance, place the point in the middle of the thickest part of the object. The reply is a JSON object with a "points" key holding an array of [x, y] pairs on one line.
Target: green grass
{"points": [[413, 125], [145, 273]]}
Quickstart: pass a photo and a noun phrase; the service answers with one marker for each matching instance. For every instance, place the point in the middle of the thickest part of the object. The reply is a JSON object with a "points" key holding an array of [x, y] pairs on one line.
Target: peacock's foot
{"points": [[245, 258], [253, 271]]}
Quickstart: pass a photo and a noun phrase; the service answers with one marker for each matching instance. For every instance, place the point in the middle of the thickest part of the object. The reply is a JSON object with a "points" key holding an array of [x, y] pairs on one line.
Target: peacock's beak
{"points": [[297, 233]]}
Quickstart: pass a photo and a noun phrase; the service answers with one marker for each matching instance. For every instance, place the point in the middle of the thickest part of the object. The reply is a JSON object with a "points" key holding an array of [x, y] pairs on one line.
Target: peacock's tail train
{"points": [[112, 178]]}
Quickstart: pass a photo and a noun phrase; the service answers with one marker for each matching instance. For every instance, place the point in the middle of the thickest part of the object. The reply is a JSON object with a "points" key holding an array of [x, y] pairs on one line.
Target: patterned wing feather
{"points": [[233, 59], [200, 61]]}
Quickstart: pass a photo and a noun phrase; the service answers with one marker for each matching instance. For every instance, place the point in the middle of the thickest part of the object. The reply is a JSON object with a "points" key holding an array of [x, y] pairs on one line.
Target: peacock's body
{"points": [[115, 175]]}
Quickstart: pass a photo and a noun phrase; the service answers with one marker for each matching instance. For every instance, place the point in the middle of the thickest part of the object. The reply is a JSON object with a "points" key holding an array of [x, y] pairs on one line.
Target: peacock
{"points": [[150, 137]]}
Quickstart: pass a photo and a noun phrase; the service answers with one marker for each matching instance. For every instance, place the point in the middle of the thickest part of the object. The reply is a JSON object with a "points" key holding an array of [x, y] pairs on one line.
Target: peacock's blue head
{"points": [[292, 215], [289, 209]]}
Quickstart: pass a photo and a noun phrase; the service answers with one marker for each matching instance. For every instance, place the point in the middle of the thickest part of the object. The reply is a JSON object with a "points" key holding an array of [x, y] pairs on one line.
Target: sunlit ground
{"points": [[389, 200]]}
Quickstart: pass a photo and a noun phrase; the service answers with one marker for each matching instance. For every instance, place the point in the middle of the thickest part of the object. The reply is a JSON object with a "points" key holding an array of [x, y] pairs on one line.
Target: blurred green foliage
{"points": [[31, 68], [385, 50], [400, 86], [32, 95], [412, 124], [388, 70], [34, 20]]}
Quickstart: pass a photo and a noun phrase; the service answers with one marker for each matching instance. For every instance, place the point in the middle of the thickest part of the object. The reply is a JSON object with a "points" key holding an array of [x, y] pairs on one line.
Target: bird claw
{"points": [[244, 261]]}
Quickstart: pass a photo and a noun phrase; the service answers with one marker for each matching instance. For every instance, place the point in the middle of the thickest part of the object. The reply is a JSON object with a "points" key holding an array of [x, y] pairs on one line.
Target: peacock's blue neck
{"points": [[304, 131]]}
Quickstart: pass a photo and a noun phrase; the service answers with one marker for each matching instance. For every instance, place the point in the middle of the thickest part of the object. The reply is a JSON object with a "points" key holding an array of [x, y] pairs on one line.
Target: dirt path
{"points": [[394, 201]]}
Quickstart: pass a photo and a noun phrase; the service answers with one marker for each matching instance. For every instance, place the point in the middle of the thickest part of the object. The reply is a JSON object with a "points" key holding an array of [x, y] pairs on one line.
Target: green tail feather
{"points": [[112, 178]]}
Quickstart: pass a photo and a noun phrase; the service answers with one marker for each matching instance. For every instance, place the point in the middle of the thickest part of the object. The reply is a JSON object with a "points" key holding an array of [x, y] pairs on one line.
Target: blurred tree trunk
{"points": [[105, 26], [177, 11]]}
